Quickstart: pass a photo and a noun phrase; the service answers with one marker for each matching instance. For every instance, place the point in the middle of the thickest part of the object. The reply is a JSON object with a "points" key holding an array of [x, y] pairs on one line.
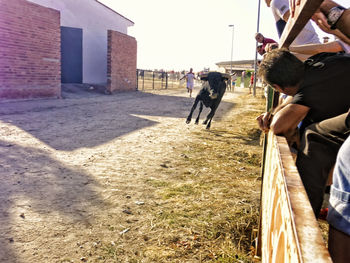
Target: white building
{"points": [[84, 26]]}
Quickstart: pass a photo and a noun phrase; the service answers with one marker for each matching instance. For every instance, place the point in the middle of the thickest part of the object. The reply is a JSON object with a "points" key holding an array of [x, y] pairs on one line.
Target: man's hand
{"points": [[292, 5], [271, 46], [320, 19], [264, 121]]}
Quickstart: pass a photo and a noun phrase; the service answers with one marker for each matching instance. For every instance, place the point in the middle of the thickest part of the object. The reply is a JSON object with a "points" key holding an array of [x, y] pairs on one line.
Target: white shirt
{"points": [[306, 36], [190, 78]]}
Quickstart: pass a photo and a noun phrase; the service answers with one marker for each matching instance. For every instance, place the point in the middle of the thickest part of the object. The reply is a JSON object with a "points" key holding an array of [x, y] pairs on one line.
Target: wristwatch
{"points": [[334, 15]]}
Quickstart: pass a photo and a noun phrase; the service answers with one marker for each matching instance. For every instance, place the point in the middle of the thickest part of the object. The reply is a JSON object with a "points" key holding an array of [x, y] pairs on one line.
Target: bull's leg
{"points": [[213, 110], [210, 117], [200, 111], [209, 124], [188, 120]]}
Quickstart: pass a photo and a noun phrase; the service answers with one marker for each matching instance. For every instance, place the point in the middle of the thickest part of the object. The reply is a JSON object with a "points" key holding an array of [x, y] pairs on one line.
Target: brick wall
{"points": [[121, 62], [30, 57]]}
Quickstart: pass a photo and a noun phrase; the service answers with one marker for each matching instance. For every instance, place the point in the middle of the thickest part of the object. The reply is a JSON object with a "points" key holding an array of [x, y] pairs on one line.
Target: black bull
{"points": [[214, 83]]}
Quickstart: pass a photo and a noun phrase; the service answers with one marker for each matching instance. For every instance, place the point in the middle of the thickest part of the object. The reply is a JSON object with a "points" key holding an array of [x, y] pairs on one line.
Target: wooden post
{"points": [[302, 15], [137, 79], [166, 80]]}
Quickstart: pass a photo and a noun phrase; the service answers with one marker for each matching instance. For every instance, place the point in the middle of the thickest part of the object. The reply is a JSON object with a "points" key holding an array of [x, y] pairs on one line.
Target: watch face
{"points": [[334, 15]]}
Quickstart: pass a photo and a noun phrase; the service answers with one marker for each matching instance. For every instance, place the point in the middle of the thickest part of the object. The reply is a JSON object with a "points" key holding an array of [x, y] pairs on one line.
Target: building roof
{"points": [[114, 11], [238, 64]]}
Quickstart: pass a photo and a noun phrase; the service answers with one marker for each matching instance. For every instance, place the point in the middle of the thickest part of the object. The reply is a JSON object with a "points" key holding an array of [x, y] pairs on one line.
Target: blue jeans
{"points": [[339, 201]]}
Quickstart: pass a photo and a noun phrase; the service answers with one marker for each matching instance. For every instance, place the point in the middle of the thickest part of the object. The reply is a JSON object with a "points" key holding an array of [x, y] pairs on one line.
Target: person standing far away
{"points": [[233, 79], [251, 84], [189, 81], [242, 79]]}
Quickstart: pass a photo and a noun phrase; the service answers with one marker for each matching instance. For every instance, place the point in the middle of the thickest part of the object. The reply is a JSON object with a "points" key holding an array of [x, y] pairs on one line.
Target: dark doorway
{"points": [[71, 55]]}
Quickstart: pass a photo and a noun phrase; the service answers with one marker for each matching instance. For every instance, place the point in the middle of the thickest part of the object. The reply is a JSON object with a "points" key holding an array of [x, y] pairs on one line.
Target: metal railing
{"points": [[150, 79]]}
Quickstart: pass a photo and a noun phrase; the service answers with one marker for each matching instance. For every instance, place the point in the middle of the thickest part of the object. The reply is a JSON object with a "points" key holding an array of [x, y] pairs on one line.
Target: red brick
{"points": [[121, 62], [30, 56]]}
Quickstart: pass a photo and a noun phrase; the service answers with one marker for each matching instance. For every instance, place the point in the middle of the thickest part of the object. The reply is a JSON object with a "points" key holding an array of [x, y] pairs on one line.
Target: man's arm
{"points": [[320, 15], [265, 119], [341, 36], [286, 16], [292, 5], [343, 23], [288, 118], [312, 49], [323, 25]]}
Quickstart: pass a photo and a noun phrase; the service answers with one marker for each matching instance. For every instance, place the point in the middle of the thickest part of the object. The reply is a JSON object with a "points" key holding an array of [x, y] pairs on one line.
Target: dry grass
{"points": [[208, 204], [205, 204], [199, 191]]}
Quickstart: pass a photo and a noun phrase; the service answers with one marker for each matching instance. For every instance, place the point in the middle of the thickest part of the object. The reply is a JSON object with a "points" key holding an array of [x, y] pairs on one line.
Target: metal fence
{"points": [[152, 79], [149, 79]]}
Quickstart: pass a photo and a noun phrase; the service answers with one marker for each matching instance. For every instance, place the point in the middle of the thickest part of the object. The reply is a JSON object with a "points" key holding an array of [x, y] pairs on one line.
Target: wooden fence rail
{"points": [[289, 230]]}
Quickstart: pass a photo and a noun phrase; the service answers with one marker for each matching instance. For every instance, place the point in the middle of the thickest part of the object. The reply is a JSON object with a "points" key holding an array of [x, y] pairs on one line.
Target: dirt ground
{"points": [[79, 175]]}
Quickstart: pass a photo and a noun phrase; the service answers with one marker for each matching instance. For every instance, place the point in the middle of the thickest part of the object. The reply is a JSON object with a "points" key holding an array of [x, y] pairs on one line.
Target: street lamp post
{"points": [[231, 55], [256, 54]]}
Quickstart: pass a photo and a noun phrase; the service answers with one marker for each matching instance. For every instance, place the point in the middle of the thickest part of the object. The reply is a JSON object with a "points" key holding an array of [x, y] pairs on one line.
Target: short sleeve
{"points": [[345, 46], [281, 7]]}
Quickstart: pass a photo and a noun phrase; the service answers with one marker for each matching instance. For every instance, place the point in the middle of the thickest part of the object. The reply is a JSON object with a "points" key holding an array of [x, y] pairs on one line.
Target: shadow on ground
{"points": [[88, 121], [33, 183]]}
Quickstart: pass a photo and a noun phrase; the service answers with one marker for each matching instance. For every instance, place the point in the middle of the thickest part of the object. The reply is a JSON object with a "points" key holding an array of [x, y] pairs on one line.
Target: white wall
{"points": [[95, 19]]}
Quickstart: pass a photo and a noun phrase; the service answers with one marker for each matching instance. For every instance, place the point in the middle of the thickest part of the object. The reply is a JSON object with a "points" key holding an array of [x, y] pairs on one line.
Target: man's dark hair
{"points": [[282, 68]]}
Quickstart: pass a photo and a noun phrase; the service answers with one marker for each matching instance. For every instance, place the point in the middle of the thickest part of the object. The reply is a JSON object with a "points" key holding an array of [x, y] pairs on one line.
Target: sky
{"points": [[183, 34]]}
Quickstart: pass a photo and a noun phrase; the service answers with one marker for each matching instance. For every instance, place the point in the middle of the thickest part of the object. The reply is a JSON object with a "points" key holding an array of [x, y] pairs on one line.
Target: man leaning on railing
{"points": [[320, 91]]}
